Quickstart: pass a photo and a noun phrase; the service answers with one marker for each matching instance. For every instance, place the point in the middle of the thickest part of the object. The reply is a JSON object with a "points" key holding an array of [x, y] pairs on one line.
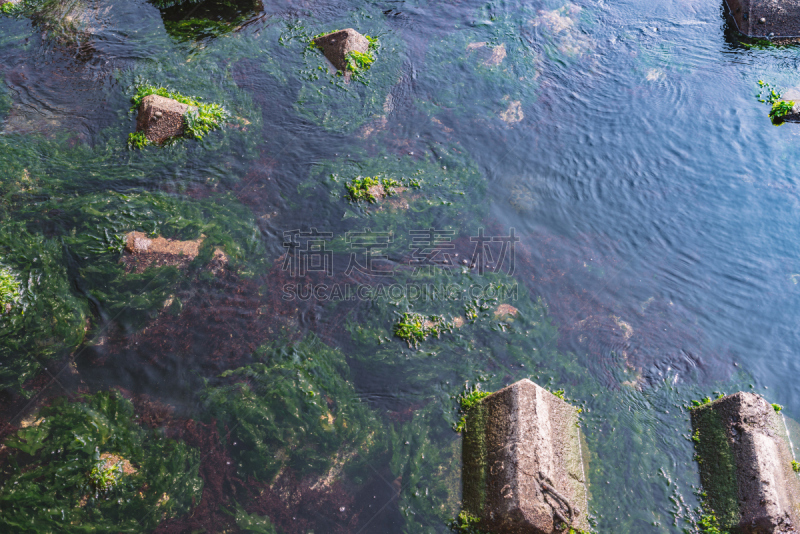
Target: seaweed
{"points": [[58, 476], [327, 99], [414, 328], [195, 20], [370, 189], [93, 229], [779, 108], [294, 409], [487, 70], [45, 319], [442, 190], [426, 459]]}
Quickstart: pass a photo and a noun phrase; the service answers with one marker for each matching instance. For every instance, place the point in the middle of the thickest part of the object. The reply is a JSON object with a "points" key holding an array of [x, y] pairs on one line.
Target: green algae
{"points": [[717, 468], [93, 227], [294, 409], [468, 399], [426, 458], [476, 459], [466, 524], [325, 98], [9, 289], [196, 20], [49, 481], [414, 328], [444, 190], [47, 319], [253, 523], [364, 189], [779, 108], [482, 70], [138, 140]]}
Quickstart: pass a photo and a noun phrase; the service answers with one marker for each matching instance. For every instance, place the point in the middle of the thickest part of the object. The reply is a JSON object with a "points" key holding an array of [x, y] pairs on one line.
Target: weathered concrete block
{"points": [[774, 19], [161, 118], [337, 45], [746, 465], [523, 470]]}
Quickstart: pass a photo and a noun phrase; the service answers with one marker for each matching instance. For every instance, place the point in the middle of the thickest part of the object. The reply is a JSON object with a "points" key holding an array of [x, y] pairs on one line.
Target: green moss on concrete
{"points": [[717, 467], [475, 455]]}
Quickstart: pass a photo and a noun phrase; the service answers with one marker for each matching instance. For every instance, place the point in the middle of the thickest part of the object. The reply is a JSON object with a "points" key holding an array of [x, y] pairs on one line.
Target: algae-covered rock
{"points": [[746, 465], [523, 467], [198, 19], [87, 466], [165, 114], [295, 409], [338, 45], [161, 118], [415, 192], [133, 288], [326, 98]]}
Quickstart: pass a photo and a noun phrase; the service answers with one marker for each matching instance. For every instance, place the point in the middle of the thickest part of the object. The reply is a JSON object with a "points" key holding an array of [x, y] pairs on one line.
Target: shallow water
{"points": [[654, 202]]}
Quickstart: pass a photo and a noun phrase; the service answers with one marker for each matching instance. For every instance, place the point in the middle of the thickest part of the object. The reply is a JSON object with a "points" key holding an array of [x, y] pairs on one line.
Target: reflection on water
{"points": [[584, 194]]}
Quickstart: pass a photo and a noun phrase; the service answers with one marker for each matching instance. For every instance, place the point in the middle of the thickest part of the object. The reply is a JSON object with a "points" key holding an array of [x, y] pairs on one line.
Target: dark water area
{"points": [[258, 385]]}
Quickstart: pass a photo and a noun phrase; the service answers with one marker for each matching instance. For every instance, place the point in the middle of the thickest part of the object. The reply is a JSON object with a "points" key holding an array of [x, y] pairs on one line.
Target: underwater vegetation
{"points": [[194, 20], [414, 328], [87, 465], [41, 317], [294, 408], [442, 189], [49, 317], [324, 97], [370, 189], [9, 290], [94, 227], [769, 95]]}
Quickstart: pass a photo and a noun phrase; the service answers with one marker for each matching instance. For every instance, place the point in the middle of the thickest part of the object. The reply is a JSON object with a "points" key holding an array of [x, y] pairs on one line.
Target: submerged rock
{"points": [[523, 469], [773, 19], [192, 20], [161, 118], [746, 465], [144, 252], [335, 46]]}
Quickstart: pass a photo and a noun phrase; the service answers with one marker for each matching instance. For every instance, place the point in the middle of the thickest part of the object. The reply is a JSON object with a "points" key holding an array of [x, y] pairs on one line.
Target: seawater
{"points": [[592, 197]]}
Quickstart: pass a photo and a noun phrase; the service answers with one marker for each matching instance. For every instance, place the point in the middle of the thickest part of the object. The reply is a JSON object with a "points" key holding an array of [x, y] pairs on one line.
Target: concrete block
{"points": [[746, 465], [161, 118], [767, 19], [523, 470]]}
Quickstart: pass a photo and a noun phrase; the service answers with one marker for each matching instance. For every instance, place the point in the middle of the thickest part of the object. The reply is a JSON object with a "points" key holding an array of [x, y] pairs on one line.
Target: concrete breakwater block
{"points": [[523, 470], [161, 118], [746, 465], [773, 19], [335, 46]]}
